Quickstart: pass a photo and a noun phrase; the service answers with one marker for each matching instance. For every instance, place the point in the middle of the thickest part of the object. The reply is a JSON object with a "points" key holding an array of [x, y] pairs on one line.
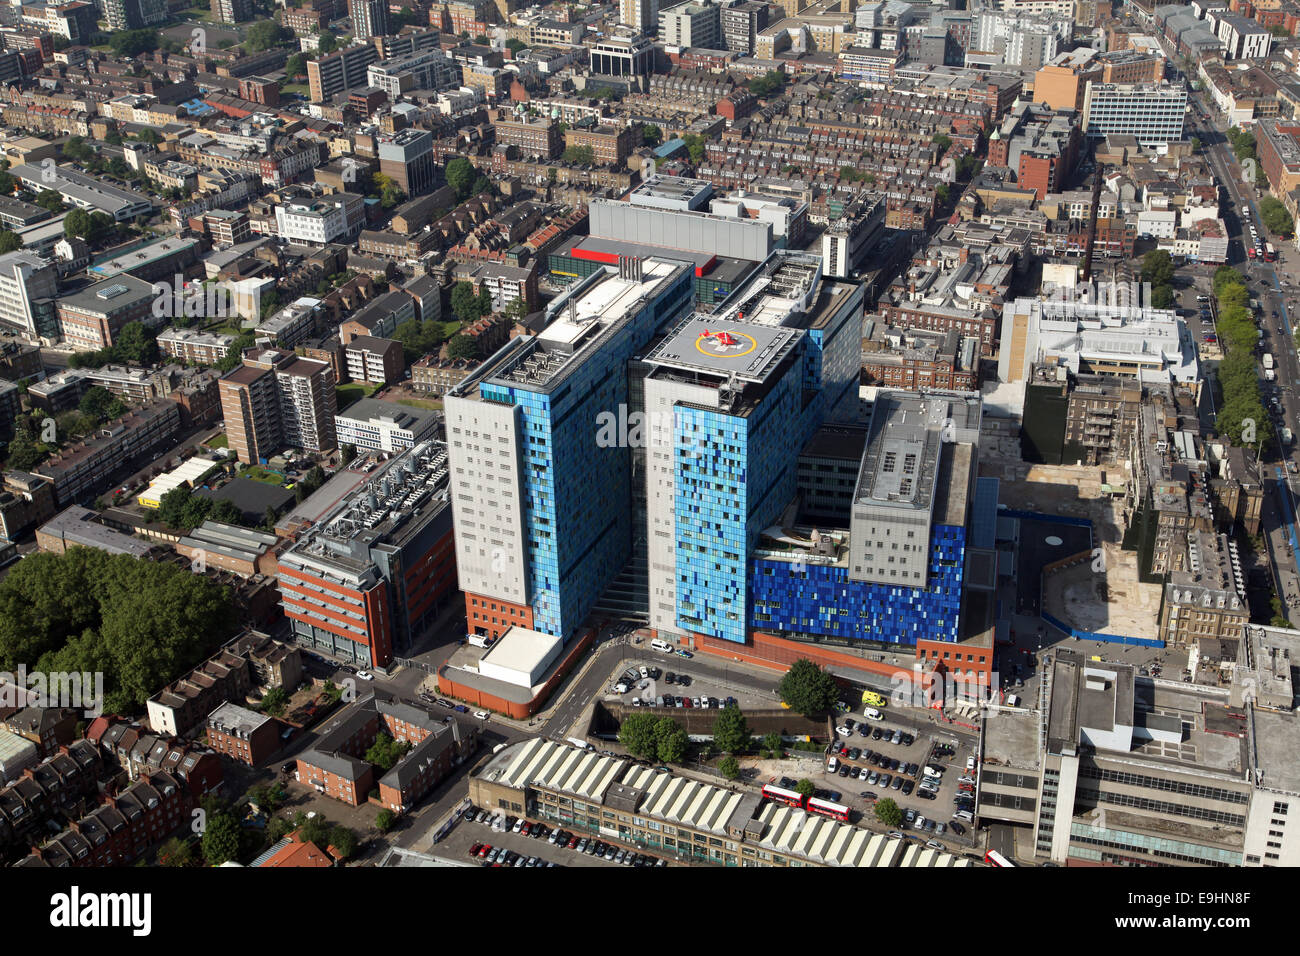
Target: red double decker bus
{"points": [[994, 858], [781, 795], [827, 809]]}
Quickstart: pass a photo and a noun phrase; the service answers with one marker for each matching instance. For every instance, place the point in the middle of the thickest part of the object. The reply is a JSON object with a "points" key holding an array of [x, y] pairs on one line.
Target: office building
{"points": [[84, 191], [543, 500], [691, 24], [1153, 114], [90, 320], [425, 70], [383, 556], [318, 222], [371, 425], [373, 360], [28, 285], [849, 240], [624, 54], [407, 158]]}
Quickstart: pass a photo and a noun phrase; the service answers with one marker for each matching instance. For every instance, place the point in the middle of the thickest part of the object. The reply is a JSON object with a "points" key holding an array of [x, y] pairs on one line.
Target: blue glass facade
{"points": [[576, 503], [735, 473], [820, 599]]}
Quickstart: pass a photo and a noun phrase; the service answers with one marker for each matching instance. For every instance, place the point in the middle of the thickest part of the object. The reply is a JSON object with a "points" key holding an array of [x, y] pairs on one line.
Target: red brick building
{"points": [[243, 735]]}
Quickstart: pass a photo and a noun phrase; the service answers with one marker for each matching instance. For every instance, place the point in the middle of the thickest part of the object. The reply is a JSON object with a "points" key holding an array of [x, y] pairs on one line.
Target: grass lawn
{"points": [[218, 441], [428, 403], [258, 473], [295, 88], [449, 328], [353, 392]]}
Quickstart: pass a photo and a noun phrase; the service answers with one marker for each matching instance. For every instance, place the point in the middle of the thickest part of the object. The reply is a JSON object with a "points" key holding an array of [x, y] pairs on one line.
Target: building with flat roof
{"points": [[242, 734], [371, 425], [78, 527], [84, 191], [383, 555], [731, 398], [277, 400], [543, 524], [28, 284], [1152, 345], [1152, 113]]}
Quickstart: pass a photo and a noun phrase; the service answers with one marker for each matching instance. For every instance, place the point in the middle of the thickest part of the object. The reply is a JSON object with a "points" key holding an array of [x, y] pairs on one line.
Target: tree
{"points": [[311, 829], [579, 155], [1158, 267], [296, 65], [465, 302], [133, 42], [176, 852], [149, 135], [49, 199], [140, 623], [101, 404], [729, 767], [327, 43], [384, 820], [390, 194], [694, 146], [343, 840], [274, 701], [888, 812], [514, 45], [347, 453], [220, 838], [942, 194], [731, 730], [652, 135], [1275, 216], [671, 740], [460, 174], [10, 241], [773, 81], [773, 743], [943, 142], [461, 346], [638, 735], [1162, 297], [807, 688], [805, 788], [385, 752], [263, 36]]}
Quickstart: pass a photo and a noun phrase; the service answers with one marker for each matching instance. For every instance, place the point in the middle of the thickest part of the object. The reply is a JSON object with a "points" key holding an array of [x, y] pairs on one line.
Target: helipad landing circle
{"points": [[725, 344]]}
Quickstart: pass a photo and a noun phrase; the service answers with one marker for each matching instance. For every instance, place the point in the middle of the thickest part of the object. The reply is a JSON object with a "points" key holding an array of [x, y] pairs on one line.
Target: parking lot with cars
{"points": [[931, 775], [667, 681], [492, 838]]}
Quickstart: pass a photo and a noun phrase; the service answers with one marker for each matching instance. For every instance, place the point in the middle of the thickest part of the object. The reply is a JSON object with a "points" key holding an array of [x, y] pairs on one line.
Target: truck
{"points": [[1268, 360], [1270, 375], [1286, 436]]}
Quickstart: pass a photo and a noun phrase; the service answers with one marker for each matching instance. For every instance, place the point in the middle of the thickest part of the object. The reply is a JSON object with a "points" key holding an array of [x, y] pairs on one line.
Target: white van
{"points": [[872, 714], [579, 743], [932, 773], [659, 645]]}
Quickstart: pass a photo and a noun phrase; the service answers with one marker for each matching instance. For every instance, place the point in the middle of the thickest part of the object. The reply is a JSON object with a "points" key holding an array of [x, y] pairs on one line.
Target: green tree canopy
{"points": [[638, 735], [731, 730], [729, 767], [141, 623], [264, 35], [384, 820], [101, 404], [694, 146], [176, 852], [1158, 267], [652, 135], [579, 155], [806, 787], [1277, 220], [671, 740], [888, 812], [465, 302], [343, 840], [385, 752], [773, 743], [807, 688], [461, 346], [10, 241], [220, 838], [460, 174]]}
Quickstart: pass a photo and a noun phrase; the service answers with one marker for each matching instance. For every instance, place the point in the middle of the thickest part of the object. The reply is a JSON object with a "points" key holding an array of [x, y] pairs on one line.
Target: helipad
{"points": [[705, 343]]}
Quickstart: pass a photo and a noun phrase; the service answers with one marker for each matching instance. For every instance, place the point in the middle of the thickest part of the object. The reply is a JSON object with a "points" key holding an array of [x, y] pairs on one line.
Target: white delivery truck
{"points": [[1268, 360]]}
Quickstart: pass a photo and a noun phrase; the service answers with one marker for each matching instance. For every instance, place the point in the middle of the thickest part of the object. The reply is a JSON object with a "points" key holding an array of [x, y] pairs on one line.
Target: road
{"points": [[1277, 299]]}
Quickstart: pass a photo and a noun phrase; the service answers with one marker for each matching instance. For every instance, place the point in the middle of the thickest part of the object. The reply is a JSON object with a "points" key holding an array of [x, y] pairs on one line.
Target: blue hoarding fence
{"points": [[1105, 638]]}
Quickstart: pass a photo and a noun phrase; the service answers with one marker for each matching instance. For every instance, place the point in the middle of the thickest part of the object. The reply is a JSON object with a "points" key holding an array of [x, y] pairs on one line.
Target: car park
{"points": [[843, 731]]}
